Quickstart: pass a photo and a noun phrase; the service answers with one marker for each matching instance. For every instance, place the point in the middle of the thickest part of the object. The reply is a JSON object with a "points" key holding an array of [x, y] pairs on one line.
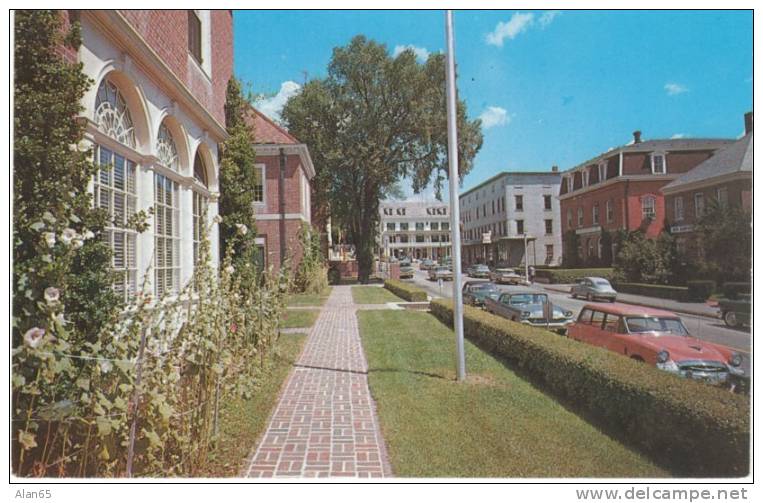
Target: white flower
{"points": [[50, 239], [77, 243], [230, 269], [88, 235], [218, 219], [106, 366], [68, 235], [242, 229], [52, 295], [33, 337]]}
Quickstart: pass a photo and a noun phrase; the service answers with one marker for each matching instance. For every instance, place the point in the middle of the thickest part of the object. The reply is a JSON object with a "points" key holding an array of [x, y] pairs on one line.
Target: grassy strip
{"points": [[308, 299], [304, 318], [373, 295], [243, 420], [494, 425]]}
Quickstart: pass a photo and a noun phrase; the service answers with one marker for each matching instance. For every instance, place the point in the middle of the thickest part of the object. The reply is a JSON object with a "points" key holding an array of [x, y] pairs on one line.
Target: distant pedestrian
{"points": [[531, 273]]}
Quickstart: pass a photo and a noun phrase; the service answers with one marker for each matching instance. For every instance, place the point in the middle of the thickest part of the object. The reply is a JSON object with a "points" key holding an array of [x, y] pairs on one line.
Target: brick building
{"points": [[284, 172], [725, 178], [508, 211], [621, 188], [154, 118]]}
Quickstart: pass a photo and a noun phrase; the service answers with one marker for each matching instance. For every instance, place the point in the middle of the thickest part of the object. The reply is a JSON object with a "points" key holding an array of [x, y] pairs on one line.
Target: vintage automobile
{"points": [[658, 338], [405, 262], [427, 264], [593, 288], [440, 272], [735, 312], [475, 292], [506, 275], [478, 271], [530, 308], [406, 272]]}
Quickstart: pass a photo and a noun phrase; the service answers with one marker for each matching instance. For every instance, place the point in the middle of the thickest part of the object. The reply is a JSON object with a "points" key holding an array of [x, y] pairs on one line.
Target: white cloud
{"points": [[494, 116], [678, 136], [421, 53], [518, 23], [273, 105], [548, 16], [673, 88]]}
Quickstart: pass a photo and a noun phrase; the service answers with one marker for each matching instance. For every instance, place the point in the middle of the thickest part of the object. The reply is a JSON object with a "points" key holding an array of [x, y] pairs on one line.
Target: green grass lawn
{"points": [[308, 299], [494, 425], [373, 295], [303, 318], [242, 421]]}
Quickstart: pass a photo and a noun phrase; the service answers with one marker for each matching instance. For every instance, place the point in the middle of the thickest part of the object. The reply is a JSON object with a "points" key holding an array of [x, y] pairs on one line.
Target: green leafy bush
{"points": [[405, 291], [673, 420], [700, 290], [678, 293], [311, 275], [565, 276], [731, 290]]}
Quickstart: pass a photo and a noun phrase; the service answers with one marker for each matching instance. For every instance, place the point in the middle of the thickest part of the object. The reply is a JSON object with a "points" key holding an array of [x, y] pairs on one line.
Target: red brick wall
{"points": [[292, 196], [739, 193], [166, 31], [269, 229]]}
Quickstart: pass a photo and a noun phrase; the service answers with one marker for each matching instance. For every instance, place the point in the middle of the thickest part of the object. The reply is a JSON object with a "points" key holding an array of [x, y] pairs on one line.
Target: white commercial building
{"points": [[416, 229]]}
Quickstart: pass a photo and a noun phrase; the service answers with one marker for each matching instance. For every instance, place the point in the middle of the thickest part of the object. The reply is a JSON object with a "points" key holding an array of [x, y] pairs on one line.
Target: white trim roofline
{"points": [[300, 149], [708, 182]]}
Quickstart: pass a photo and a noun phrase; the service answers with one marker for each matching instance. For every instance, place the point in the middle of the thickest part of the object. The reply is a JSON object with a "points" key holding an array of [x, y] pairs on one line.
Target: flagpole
{"points": [[455, 228]]}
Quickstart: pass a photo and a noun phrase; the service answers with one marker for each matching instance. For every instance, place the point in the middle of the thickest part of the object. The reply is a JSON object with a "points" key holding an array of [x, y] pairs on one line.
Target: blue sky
{"points": [[553, 87]]}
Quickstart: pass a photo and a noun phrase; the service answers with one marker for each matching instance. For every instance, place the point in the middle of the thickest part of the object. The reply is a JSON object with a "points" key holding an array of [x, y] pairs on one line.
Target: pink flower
{"points": [[33, 337], [233, 327]]}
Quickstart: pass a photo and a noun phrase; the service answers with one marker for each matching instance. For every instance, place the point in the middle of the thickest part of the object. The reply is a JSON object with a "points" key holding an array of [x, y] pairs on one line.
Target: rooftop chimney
{"points": [[748, 123], [555, 169], [637, 137]]}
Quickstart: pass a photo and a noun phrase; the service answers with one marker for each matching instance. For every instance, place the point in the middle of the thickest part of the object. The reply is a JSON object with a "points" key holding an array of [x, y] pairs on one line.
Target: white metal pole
{"points": [[458, 306], [527, 262]]}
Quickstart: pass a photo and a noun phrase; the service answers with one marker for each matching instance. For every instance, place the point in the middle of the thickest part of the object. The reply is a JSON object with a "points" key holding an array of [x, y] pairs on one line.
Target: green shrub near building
{"points": [[671, 419], [406, 291], [566, 276], [700, 290], [677, 293]]}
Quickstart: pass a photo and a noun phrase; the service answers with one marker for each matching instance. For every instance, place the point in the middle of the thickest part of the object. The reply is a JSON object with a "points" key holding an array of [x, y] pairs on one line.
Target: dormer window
{"points": [[602, 171], [658, 164], [585, 178]]}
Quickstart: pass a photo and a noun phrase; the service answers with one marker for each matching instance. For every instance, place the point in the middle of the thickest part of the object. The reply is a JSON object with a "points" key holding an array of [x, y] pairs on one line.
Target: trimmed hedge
{"points": [[675, 421], [405, 291], [565, 276], [700, 290], [731, 290], [678, 293]]}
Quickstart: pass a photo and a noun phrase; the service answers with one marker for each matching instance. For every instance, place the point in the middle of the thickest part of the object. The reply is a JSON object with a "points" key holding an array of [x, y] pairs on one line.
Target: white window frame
{"points": [[699, 209], [166, 277], [580, 217], [722, 201], [678, 208], [262, 169], [610, 211], [595, 213], [664, 163], [646, 203], [602, 171]]}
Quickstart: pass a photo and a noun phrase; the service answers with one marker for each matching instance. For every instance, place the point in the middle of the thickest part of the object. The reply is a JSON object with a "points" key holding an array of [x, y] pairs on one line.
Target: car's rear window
{"points": [[601, 282], [655, 324], [528, 299], [485, 286]]}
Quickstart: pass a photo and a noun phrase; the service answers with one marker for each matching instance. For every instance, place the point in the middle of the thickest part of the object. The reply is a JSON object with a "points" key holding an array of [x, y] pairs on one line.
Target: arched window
{"points": [[112, 115], [165, 148], [199, 203]]}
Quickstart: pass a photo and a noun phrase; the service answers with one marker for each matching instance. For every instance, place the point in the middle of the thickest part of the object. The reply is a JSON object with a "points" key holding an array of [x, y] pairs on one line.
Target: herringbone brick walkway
{"points": [[325, 422]]}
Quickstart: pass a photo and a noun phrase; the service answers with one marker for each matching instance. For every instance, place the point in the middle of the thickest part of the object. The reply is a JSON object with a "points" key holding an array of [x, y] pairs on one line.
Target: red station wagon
{"points": [[656, 337]]}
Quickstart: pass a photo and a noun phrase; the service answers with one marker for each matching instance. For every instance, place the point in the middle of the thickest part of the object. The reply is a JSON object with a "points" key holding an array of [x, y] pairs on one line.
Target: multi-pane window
{"points": [[419, 226], [115, 191], [434, 226], [580, 217], [549, 226], [194, 35], [658, 164], [403, 226], [699, 204], [647, 207], [596, 214], [610, 211], [419, 238], [445, 226], [166, 150], [166, 232], [520, 226], [722, 196], [259, 184], [549, 254], [518, 203], [199, 204], [546, 202], [112, 115], [390, 226], [678, 208]]}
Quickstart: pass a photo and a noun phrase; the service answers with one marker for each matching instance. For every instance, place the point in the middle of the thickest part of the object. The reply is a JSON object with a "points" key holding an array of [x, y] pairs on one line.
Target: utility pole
{"points": [[458, 305]]}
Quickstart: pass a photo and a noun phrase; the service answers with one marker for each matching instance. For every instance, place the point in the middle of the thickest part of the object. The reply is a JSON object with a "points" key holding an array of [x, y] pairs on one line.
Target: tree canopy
{"points": [[373, 121]]}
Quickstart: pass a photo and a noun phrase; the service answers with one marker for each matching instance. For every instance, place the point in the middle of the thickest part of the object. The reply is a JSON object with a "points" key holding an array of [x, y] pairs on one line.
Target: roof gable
{"points": [[730, 159], [266, 131]]}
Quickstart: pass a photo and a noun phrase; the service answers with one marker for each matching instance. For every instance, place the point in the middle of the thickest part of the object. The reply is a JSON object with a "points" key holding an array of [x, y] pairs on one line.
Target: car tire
{"points": [[730, 319]]}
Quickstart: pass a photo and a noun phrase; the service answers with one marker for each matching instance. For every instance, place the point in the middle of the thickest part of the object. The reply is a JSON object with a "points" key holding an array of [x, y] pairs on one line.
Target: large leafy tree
{"points": [[372, 122], [725, 237]]}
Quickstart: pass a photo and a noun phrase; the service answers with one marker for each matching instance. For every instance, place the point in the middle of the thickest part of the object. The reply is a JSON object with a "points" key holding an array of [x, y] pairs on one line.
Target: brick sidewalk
{"points": [[325, 422]]}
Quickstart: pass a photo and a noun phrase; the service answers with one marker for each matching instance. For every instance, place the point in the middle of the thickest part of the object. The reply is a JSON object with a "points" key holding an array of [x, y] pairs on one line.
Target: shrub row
{"points": [[731, 290], [406, 291], [673, 420], [570, 275], [700, 290], [678, 293]]}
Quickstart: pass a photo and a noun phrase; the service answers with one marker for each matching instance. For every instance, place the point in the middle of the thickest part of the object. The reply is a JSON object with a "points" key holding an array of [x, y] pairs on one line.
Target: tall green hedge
{"points": [[405, 291], [566, 276], [693, 429], [677, 293]]}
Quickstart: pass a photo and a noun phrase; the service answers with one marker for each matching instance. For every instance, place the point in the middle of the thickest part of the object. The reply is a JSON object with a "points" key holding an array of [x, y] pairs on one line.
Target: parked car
{"points": [[478, 271], [440, 272], [406, 272], [530, 308], [593, 288], [475, 292], [405, 262], [426, 264], [658, 338], [506, 275], [735, 312]]}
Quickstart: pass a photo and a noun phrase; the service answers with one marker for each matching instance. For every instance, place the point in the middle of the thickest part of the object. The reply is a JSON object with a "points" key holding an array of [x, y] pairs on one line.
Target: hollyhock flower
{"points": [[106, 367], [52, 295], [88, 235], [230, 269], [217, 219], [33, 337], [77, 243], [50, 238], [68, 235], [233, 327], [242, 229]]}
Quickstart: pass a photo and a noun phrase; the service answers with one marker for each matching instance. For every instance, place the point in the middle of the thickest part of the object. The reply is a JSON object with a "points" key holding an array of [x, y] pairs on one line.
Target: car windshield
{"points": [[485, 287], [527, 298], [601, 282], [655, 324], [481, 268]]}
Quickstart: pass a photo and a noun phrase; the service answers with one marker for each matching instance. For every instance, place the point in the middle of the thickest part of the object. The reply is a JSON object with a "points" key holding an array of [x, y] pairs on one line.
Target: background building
{"points": [[498, 214], [154, 118], [284, 170], [414, 229], [620, 189]]}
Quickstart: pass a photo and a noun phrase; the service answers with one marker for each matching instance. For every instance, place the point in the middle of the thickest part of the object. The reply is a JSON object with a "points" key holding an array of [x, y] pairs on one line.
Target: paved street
{"points": [[710, 329]]}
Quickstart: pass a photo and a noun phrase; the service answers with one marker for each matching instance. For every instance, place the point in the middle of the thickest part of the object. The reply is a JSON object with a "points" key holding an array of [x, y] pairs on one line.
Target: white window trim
{"points": [[644, 206], [697, 213], [664, 162], [263, 203], [602, 171], [595, 214], [610, 211]]}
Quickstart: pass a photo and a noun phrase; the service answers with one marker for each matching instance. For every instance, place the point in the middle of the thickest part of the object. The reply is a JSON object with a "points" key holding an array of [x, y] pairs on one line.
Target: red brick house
{"points": [[725, 178], [282, 199], [620, 189]]}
